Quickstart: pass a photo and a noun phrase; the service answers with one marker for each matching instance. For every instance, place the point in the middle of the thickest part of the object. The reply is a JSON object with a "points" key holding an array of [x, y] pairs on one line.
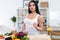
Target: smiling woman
{"points": [[33, 19]]}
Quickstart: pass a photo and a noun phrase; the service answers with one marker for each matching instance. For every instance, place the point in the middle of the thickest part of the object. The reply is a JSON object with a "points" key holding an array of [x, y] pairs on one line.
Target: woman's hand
{"points": [[25, 32], [35, 25]]}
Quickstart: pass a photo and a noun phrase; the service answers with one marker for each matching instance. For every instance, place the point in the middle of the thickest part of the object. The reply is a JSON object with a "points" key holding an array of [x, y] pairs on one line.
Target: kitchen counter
{"points": [[39, 37]]}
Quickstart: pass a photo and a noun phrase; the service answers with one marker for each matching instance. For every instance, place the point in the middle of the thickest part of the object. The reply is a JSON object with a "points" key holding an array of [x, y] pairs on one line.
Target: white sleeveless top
{"points": [[30, 29]]}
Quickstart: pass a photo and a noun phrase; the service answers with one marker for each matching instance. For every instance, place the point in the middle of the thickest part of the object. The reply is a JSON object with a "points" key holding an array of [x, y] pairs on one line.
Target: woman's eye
{"points": [[29, 5], [33, 5]]}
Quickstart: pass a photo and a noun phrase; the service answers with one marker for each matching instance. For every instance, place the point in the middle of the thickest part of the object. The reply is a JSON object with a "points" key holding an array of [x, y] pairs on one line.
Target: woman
{"points": [[33, 22]]}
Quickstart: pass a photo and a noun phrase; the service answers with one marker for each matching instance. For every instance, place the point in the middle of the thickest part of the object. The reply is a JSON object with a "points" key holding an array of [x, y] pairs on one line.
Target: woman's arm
{"points": [[23, 27], [40, 22]]}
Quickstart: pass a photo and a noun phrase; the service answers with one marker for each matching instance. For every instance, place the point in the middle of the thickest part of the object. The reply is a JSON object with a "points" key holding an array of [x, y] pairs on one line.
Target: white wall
{"points": [[54, 12], [8, 8]]}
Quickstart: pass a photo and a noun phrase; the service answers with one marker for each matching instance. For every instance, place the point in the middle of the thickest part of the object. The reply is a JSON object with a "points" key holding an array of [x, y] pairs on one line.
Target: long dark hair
{"points": [[36, 6]]}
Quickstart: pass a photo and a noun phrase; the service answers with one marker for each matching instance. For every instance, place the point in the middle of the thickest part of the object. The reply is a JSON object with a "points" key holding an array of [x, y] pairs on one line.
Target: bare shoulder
{"points": [[40, 17]]}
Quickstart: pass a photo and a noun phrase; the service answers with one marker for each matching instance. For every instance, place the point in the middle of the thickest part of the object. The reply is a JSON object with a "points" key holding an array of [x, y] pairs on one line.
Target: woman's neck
{"points": [[34, 12]]}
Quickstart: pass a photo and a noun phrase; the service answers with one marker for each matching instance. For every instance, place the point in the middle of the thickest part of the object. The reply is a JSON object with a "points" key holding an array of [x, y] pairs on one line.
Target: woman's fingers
{"points": [[35, 25]]}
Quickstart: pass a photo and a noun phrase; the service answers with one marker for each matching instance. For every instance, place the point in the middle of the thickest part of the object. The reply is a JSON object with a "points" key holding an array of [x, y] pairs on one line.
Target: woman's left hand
{"points": [[35, 25]]}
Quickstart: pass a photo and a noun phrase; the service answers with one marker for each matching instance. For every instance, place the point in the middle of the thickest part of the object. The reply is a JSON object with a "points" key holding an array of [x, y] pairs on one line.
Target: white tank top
{"points": [[30, 29]]}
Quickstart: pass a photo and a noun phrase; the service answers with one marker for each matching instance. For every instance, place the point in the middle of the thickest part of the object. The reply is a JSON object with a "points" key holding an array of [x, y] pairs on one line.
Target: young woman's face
{"points": [[32, 7]]}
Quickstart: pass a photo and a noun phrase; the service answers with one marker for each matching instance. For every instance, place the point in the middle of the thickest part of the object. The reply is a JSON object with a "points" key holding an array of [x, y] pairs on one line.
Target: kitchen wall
{"points": [[54, 13], [8, 9]]}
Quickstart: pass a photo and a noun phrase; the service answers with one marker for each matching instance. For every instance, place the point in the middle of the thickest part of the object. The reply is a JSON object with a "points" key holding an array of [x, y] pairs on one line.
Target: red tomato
{"points": [[16, 34]]}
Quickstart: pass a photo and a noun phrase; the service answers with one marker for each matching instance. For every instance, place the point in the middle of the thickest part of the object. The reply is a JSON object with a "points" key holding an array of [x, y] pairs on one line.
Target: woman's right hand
{"points": [[25, 32], [23, 27]]}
